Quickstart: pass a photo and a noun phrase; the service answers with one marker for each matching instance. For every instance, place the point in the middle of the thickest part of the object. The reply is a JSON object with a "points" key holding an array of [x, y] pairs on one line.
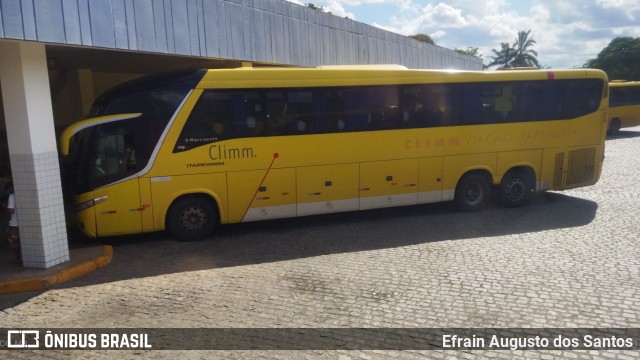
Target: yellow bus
{"points": [[188, 151], [624, 105]]}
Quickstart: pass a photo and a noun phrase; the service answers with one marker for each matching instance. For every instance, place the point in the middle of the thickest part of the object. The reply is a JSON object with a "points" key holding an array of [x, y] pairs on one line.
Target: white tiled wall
{"points": [[43, 233], [28, 114]]}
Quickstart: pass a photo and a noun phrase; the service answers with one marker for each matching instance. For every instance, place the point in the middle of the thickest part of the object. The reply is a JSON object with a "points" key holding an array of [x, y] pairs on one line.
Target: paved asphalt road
{"points": [[568, 260]]}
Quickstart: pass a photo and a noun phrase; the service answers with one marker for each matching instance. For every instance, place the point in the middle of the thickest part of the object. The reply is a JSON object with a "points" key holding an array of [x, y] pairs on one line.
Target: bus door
{"points": [[116, 155], [120, 212]]}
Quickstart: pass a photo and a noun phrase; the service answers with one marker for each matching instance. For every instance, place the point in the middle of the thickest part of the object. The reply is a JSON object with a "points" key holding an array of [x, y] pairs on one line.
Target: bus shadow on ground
{"points": [[624, 134], [288, 239]]}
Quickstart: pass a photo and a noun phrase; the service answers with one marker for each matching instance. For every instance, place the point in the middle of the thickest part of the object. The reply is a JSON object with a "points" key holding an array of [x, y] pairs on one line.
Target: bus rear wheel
{"points": [[192, 218], [614, 127], [516, 188], [472, 192]]}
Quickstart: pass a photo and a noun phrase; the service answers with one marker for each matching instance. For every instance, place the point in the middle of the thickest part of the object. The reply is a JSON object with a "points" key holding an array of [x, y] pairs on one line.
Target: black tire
{"points": [[516, 188], [192, 218], [614, 127], [472, 193]]}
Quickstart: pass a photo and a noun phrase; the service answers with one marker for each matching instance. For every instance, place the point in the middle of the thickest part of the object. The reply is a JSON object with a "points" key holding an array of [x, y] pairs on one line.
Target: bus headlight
{"points": [[91, 203]]}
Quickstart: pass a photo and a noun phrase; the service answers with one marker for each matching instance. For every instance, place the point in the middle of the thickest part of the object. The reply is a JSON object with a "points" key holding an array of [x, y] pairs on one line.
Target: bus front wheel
{"points": [[472, 192], [192, 218]]}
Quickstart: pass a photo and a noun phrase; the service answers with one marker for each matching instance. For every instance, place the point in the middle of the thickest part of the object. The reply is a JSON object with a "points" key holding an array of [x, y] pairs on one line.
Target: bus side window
{"points": [[424, 107], [576, 100], [496, 101], [504, 104], [412, 114], [443, 105], [277, 113], [585, 96], [553, 100], [634, 96], [530, 103], [385, 108], [247, 118], [300, 110], [356, 105], [324, 120], [473, 111], [209, 121], [614, 96], [253, 124]]}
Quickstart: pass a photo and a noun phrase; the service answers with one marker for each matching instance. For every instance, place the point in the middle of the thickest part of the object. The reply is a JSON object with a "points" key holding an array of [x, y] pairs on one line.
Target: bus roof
{"points": [[623, 83], [364, 67], [361, 75]]}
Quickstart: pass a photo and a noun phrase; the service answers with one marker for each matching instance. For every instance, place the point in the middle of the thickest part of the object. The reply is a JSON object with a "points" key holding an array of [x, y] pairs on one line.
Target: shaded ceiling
{"points": [[100, 60]]}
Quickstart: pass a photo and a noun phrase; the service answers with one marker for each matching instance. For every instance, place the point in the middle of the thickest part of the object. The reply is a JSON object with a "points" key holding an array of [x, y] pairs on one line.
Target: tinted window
{"points": [[624, 96], [227, 114]]}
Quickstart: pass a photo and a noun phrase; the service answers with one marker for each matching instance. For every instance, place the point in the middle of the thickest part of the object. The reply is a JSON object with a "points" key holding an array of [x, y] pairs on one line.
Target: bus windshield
{"points": [[111, 151]]}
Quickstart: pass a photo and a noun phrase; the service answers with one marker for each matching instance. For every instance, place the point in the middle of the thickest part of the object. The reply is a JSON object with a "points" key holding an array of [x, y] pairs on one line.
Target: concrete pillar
{"points": [[33, 153]]}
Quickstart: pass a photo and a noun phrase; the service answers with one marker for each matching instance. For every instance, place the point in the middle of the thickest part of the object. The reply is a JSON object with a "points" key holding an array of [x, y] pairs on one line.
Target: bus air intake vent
{"points": [[557, 172], [581, 166]]}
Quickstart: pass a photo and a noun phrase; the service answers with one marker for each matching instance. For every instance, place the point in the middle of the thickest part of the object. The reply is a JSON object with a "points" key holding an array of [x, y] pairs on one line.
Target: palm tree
{"points": [[524, 55], [504, 57]]}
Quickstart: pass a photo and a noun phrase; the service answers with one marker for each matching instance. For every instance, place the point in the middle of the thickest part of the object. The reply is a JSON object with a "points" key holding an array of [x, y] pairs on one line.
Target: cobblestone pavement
{"points": [[569, 259]]}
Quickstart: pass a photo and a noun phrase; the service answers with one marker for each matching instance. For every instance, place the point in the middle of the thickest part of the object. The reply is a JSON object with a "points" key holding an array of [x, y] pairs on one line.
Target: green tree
{"points": [[503, 57], [524, 55], [315, 7], [518, 55], [473, 51], [620, 59], [423, 37]]}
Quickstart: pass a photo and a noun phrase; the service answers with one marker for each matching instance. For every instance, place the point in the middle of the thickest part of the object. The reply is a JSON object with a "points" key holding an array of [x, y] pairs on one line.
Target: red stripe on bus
{"points": [[275, 156]]}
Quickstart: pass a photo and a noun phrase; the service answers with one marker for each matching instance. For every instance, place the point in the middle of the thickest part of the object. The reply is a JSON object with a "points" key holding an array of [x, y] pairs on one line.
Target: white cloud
{"points": [[565, 31], [402, 5], [631, 8], [443, 16], [540, 12], [336, 8], [438, 35], [633, 31], [568, 32], [430, 20]]}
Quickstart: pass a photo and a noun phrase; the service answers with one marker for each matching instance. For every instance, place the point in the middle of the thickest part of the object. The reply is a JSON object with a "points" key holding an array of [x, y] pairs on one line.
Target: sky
{"points": [[568, 32]]}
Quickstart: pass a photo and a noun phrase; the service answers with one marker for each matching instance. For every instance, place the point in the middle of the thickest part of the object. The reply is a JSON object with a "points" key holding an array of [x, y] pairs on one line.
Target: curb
{"points": [[46, 282]]}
